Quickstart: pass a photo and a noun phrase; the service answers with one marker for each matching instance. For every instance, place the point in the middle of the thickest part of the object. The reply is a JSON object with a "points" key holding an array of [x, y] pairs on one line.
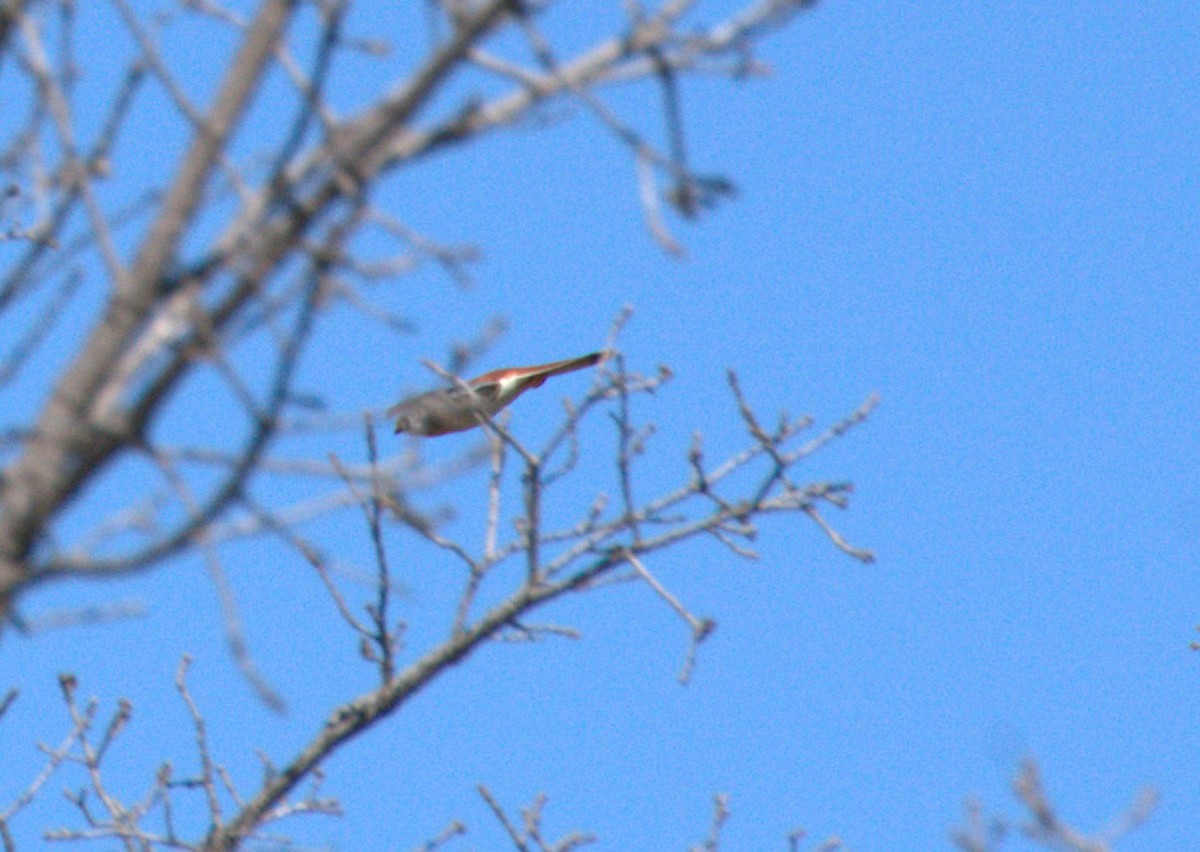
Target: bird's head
{"points": [[407, 422]]}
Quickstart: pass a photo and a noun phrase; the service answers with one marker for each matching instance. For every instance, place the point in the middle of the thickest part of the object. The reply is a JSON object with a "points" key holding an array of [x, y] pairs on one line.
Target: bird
{"points": [[456, 409]]}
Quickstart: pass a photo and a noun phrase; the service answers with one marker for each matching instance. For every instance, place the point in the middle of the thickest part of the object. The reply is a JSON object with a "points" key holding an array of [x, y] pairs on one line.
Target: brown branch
{"points": [[232, 486], [701, 628], [355, 717], [70, 444]]}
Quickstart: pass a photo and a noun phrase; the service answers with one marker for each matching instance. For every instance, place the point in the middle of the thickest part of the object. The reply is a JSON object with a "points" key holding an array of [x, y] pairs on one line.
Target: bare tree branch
{"points": [[289, 202], [1043, 824]]}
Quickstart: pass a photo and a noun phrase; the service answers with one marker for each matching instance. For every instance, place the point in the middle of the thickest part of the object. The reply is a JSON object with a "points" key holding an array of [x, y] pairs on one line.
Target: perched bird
{"points": [[439, 412]]}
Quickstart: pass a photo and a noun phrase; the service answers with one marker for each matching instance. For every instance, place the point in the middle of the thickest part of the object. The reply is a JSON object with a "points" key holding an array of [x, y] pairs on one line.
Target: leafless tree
{"points": [[119, 262], [220, 272]]}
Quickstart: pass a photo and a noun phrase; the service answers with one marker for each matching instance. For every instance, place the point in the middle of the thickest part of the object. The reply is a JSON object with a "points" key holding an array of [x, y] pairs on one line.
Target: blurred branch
{"points": [[73, 441], [529, 837], [1043, 825], [720, 815], [127, 823], [832, 844]]}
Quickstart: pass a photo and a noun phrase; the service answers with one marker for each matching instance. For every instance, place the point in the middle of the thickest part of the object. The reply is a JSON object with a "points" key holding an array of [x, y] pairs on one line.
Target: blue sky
{"points": [[986, 213]]}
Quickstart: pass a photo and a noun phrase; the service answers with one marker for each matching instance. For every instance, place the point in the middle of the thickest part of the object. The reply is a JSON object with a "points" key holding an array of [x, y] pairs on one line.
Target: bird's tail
{"points": [[556, 368], [532, 377]]}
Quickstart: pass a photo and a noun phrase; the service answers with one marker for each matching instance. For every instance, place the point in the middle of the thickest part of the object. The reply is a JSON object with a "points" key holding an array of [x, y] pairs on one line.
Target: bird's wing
{"points": [[490, 391], [443, 397]]}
